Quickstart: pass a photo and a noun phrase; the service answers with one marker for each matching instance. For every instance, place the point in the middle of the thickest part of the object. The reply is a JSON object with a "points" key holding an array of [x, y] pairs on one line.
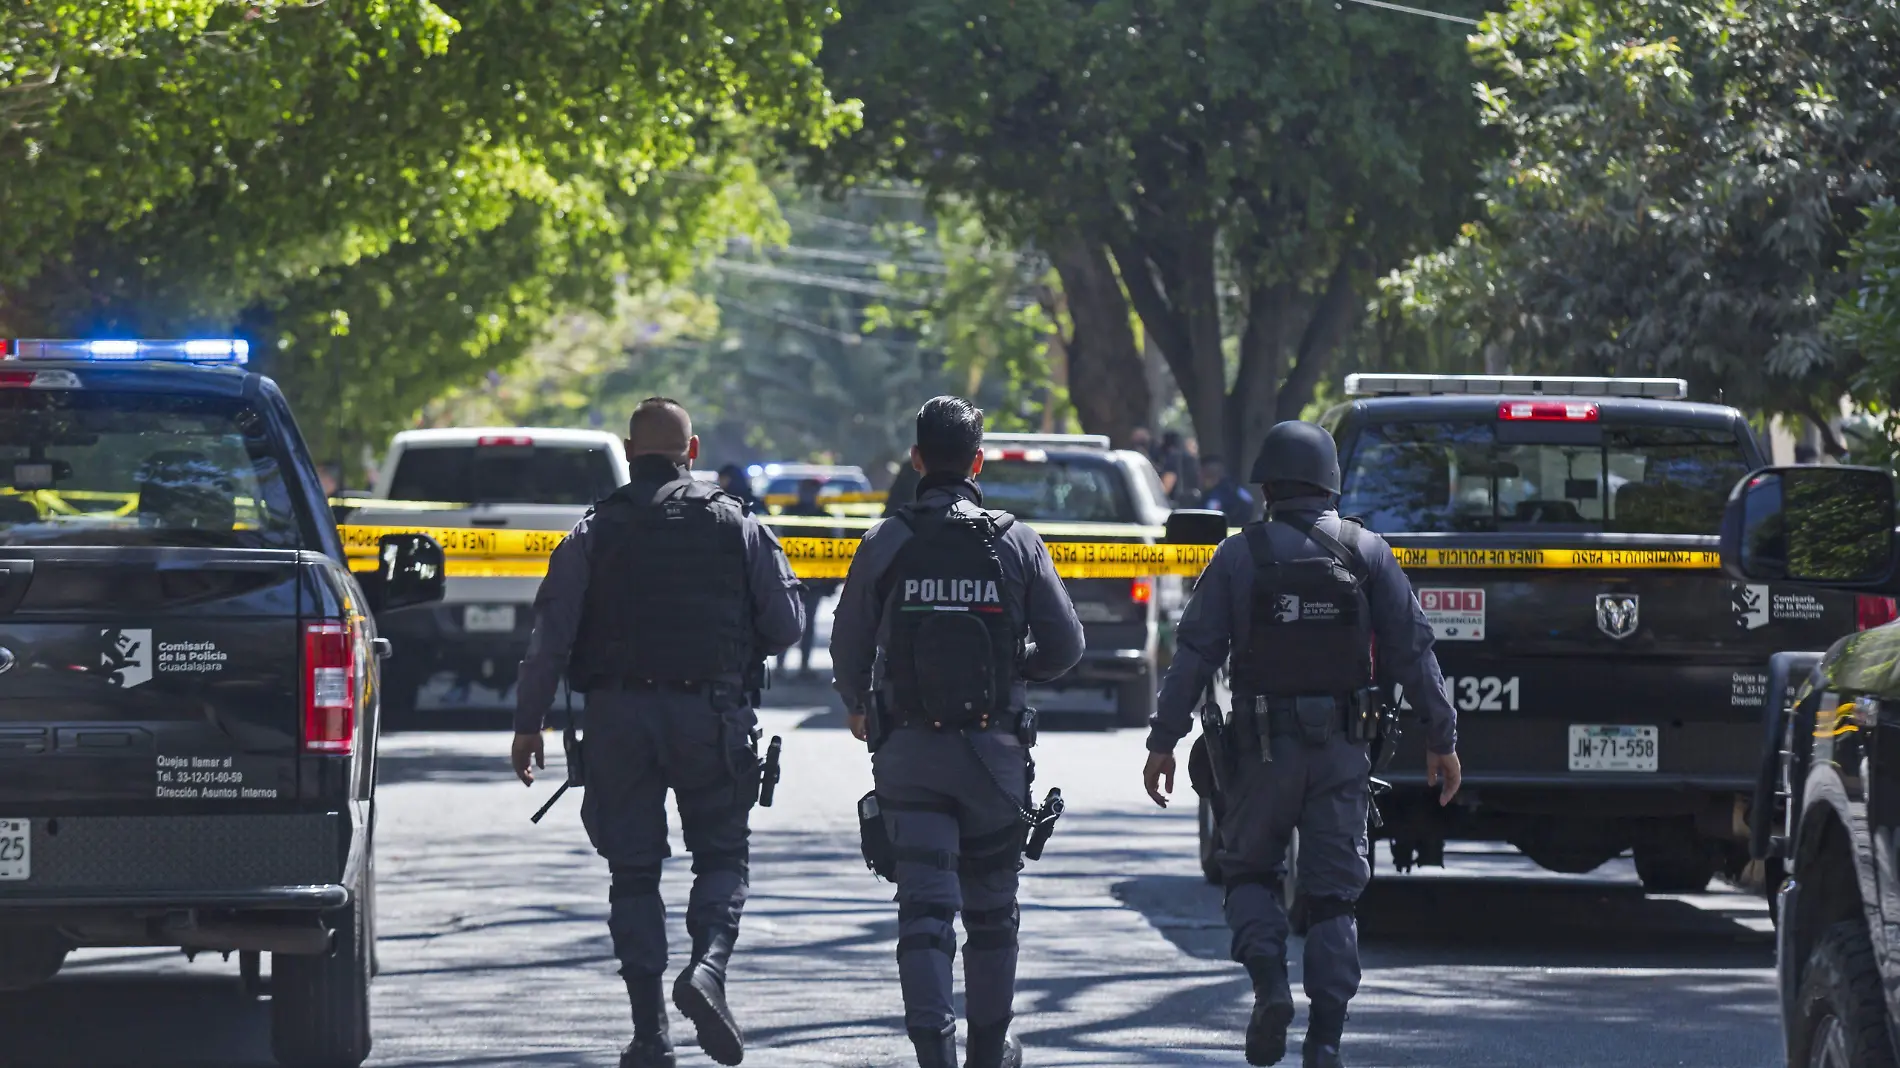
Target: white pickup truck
{"points": [[495, 478]]}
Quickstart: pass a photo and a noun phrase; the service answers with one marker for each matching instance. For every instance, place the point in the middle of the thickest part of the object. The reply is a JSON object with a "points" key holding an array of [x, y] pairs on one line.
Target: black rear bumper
{"points": [[319, 898]]}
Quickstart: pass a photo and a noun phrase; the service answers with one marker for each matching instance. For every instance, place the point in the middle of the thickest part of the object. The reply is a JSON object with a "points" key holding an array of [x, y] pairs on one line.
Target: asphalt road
{"points": [[495, 949]]}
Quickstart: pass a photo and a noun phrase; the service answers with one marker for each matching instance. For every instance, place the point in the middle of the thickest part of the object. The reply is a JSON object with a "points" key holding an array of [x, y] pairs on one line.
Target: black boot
{"points": [[993, 1046], [652, 1047], [1272, 1011], [1324, 1028], [700, 993], [935, 1049]]}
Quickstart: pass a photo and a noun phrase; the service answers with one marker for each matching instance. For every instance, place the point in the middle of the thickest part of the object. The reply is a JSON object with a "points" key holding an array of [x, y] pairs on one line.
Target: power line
{"points": [[1440, 15]]}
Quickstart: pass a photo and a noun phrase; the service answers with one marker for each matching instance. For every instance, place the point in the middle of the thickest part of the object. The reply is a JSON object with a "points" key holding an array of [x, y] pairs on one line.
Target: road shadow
{"points": [[156, 1021], [1488, 922]]}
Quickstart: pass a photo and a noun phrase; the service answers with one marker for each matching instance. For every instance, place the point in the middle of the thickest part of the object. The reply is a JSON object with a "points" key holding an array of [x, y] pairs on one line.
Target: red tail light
{"points": [[1871, 612], [1548, 411], [518, 441], [1142, 591], [329, 687]]}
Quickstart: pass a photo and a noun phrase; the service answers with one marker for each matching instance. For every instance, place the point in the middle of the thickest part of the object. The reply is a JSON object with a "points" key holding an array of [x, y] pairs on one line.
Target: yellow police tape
{"points": [[524, 553], [1565, 559]]}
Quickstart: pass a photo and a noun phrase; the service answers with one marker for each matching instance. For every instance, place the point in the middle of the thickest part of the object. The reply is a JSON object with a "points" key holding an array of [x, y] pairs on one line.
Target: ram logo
{"points": [[1617, 614]]}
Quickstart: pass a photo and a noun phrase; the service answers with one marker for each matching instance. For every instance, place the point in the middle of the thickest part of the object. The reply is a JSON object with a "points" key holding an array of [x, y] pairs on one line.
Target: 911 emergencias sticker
{"points": [[1456, 615]]}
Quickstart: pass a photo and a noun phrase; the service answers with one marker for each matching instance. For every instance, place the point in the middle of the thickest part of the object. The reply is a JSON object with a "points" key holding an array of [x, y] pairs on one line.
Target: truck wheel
{"points": [[1210, 843], [1135, 702], [1674, 872], [1840, 1017], [30, 956], [320, 1004]]}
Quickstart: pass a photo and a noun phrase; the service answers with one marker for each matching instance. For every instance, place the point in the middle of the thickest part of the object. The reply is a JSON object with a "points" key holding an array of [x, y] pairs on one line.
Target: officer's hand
{"points": [[528, 755], [1160, 767], [859, 728], [1445, 773]]}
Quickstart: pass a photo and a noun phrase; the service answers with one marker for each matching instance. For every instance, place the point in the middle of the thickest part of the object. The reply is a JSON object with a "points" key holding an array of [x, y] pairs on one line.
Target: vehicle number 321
{"points": [[1474, 693]]}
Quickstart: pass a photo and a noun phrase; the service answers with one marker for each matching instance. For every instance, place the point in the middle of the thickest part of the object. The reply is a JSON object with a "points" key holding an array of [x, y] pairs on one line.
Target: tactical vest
{"points": [[667, 599], [951, 653], [1310, 629]]}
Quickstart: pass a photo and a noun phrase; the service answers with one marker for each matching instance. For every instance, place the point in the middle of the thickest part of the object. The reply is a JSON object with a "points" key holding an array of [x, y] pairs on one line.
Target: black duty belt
{"points": [[653, 686], [1282, 719], [996, 721]]}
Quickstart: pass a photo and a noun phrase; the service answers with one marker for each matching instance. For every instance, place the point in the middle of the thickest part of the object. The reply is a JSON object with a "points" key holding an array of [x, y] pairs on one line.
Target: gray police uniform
{"points": [[694, 736], [954, 822], [1320, 791]]}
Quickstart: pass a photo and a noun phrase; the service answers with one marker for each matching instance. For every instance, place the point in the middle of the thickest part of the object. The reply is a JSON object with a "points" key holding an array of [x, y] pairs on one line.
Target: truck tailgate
{"points": [[165, 675], [1613, 657]]}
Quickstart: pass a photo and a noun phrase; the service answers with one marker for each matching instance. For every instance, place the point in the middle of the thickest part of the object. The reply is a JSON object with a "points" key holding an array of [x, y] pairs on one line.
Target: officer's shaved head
{"points": [[949, 437], [661, 427]]}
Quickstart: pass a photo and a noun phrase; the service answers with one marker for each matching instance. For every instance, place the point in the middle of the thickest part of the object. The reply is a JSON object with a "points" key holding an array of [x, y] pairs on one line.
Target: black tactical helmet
{"points": [[1295, 451]]}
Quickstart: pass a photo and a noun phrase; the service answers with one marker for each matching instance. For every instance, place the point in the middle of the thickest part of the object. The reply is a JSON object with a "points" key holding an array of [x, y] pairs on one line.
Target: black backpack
{"points": [[1310, 629], [953, 637]]}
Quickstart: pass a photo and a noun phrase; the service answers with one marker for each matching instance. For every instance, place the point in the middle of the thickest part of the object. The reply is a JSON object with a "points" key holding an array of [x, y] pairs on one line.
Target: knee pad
{"points": [[739, 861], [922, 910], [634, 882], [1321, 909]]}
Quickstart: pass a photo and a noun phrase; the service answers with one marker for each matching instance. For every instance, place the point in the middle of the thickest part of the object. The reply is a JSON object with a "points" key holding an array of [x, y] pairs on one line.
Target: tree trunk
{"points": [[1174, 287], [1107, 383]]}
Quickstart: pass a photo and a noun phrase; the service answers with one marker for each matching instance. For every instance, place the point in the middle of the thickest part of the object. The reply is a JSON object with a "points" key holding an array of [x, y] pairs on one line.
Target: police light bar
{"points": [[1407, 385], [196, 350]]}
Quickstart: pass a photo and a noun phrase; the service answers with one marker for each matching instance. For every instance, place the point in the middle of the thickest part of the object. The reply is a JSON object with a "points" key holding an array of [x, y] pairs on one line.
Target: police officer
{"points": [[660, 607], [1301, 599], [929, 643]]}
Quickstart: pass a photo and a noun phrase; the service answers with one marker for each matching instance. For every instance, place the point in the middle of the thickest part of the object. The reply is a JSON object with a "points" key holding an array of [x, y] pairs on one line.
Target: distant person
{"points": [[732, 479], [662, 607], [1180, 475], [1222, 492], [903, 490], [1142, 440], [815, 590]]}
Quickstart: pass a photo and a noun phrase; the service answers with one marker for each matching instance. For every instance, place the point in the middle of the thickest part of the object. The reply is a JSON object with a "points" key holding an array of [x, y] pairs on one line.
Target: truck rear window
{"points": [[1457, 476], [104, 468], [503, 474], [1058, 490]]}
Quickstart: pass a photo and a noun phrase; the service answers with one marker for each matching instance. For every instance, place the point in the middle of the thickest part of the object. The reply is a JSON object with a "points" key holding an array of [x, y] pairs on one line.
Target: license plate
{"points": [[488, 618], [16, 850], [1616, 748]]}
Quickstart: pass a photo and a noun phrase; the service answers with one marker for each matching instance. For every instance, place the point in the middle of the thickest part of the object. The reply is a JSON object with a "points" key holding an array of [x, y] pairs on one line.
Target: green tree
{"points": [[393, 195], [1237, 173], [1866, 323], [1678, 185]]}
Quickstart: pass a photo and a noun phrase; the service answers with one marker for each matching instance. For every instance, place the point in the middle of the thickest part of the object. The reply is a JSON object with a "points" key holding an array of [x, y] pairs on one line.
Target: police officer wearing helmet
{"points": [[931, 648], [1300, 601], [661, 607]]}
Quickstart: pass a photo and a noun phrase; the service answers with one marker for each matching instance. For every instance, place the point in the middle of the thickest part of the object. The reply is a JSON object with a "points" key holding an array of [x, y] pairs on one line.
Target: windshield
{"points": [[103, 468], [1444, 476], [1075, 491], [503, 474]]}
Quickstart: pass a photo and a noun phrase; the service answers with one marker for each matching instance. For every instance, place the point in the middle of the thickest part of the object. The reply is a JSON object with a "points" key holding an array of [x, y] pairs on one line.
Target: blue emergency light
{"points": [[196, 350]]}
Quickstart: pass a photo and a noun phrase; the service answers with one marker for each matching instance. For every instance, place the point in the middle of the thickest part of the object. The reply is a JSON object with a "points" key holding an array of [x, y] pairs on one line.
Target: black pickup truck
{"points": [[188, 681], [1827, 813], [1609, 679]]}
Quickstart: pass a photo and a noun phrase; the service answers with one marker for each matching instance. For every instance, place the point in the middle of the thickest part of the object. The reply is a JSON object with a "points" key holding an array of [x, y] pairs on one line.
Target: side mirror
{"points": [[1820, 525], [1196, 526], [409, 572]]}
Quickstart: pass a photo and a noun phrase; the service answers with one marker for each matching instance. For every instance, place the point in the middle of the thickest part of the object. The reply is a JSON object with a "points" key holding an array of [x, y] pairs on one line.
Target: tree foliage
{"points": [[1236, 172], [1679, 183], [390, 195]]}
